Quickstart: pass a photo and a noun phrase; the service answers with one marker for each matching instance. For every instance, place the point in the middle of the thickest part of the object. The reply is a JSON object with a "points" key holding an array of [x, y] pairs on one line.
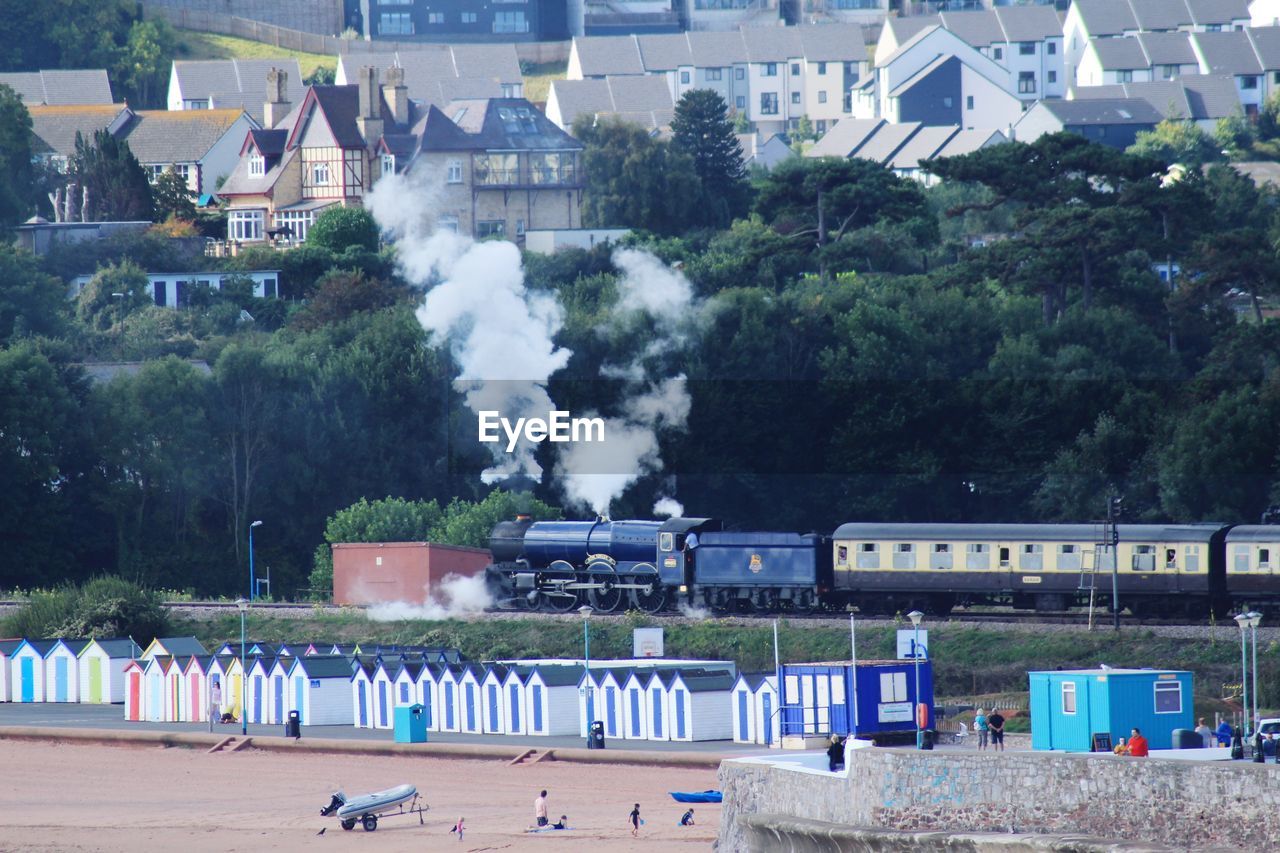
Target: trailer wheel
{"points": [[369, 822], [349, 824]]}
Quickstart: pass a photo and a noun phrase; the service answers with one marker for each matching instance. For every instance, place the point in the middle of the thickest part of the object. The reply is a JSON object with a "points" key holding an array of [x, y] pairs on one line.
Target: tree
{"points": [[341, 293], [115, 291], [340, 228], [701, 128], [173, 198], [324, 75], [31, 301], [1177, 141], [116, 182], [145, 60], [17, 175]]}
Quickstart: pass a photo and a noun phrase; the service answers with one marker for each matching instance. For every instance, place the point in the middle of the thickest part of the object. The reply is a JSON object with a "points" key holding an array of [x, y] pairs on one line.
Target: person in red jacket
{"points": [[1138, 745]]}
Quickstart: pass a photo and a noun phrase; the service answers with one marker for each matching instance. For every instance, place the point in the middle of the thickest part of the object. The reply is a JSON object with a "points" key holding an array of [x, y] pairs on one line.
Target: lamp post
{"points": [[119, 300], [1254, 618], [915, 616], [252, 592], [243, 604], [586, 610], [1242, 619]]}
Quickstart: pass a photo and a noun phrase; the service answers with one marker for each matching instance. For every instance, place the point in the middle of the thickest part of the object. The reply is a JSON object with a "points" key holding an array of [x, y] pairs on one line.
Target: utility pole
{"points": [[1113, 535]]}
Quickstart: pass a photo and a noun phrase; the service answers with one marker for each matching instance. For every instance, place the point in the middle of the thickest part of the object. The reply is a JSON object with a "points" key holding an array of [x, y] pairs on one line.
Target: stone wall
{"points": [[1185, 804]]}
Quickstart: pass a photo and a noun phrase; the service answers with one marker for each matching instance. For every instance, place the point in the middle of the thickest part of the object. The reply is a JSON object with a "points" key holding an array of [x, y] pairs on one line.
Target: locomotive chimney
{"points": [[523, 516]]}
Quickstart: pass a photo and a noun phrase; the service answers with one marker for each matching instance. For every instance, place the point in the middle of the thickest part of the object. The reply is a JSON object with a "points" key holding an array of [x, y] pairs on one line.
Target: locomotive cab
{"points": [[677, 550]]}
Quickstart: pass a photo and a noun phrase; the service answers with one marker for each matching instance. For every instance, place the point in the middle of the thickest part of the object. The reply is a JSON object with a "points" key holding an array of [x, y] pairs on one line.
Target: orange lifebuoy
{"points": [[922, 715]]}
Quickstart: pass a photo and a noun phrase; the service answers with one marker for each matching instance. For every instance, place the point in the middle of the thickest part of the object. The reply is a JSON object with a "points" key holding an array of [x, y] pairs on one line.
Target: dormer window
{"points": [[257, 165]]}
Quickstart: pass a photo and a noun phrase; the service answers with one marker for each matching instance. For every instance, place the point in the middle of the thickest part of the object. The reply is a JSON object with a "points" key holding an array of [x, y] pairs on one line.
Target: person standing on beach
{"points": [[634, 817], [540, 809], [996, 723]]}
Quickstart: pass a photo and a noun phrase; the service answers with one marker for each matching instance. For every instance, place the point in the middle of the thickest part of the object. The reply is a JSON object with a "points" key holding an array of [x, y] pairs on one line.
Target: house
{"points": [[642, 100], [174, 290], [27, 671], [173, 647], [197, 698], [7, 648], [1233, 54], [439, 73], [1070, 707], [935, 77], [902, 147], [100, 670], [1203, 99], [1110, 121], [62, 676], [764, 152], [463, 20], [230, 84], [551, 696], [54, 128], [61, 88], [322, 690], [202, 146]]}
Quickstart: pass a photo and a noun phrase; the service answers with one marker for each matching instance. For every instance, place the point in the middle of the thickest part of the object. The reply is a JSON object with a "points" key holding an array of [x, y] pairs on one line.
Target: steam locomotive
{"points": [[1157, 570]]}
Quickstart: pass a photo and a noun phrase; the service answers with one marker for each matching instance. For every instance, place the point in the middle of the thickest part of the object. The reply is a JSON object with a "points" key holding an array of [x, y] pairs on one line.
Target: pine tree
{"points": [[703, 130], [173, 198], [117, 184]]}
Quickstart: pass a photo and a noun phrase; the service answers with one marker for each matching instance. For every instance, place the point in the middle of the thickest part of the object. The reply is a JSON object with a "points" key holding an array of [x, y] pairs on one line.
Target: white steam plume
{"points": [[668, 506], [500, 333], [454, 597], [693, 612]]}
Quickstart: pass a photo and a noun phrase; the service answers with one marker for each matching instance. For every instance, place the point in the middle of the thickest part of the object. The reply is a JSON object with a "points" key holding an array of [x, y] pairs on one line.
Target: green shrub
{"points": [[103, 607]]}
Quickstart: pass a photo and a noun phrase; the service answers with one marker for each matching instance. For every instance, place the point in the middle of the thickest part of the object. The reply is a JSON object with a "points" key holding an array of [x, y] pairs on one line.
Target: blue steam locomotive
{"points": [[1158, 570]]}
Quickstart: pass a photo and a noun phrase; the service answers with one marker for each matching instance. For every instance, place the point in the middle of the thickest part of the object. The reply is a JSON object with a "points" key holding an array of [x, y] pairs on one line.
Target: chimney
{"points": [[369, 120], [396, 94], [277, 105]]}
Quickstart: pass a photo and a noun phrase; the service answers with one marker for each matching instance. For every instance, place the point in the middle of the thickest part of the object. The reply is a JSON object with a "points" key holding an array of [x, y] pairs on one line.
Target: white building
{"points": [[61, 674], [323, 683], [229, 84], [551, 695]]}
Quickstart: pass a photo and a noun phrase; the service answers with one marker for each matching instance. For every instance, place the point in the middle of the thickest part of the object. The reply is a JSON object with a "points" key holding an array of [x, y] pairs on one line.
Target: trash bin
{"points": [[1187, 739], [293, 725], [411, 724], [926, 738], [595, 739]]}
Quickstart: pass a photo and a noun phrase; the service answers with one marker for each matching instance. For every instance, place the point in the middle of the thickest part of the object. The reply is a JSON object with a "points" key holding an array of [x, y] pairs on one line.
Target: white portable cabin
{"points": [[383, 710], [100, 670], [7, 648], [255, 689], [26, 670], [493, 711], [469, 698], [429, 694], [362, 703], [449, 678], [277, 708], [135, 693], [552, 700], [175, 708], [321, 691], [405, 688], [754, 707], [635, 707], [61, 675], [514, 700]]}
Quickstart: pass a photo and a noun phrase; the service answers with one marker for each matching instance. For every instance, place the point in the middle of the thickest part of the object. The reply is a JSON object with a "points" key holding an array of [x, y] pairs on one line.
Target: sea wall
{"points": [[1180, 803]]}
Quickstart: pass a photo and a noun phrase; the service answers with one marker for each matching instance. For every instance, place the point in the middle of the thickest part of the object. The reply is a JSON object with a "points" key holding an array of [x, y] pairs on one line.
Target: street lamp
{"points": [[119, 297], [252, 592], [586, 610], [1254, 618], [1242, 619], [915, 616], [243, 605]]}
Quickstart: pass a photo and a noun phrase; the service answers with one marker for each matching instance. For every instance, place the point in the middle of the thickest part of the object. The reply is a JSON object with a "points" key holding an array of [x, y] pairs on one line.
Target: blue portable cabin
{"points": [[819, 698], [1068, 707]]}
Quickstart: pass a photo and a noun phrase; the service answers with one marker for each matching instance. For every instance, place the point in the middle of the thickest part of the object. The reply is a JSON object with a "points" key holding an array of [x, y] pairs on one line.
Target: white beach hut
{"points": [[429, 694], [255, 700], [173, 647], [383, 675], [7, 648], [362, 694], [26, 670], [100, 669], [635, 707], [405, 688], [277, 710], [700, 706], [469, 698], [195, 688], [514, 700], [175, 709], [135, 693], [322, 690], [493, 712], [61, 675], [551, 696], [153, 686], [450, 718]]}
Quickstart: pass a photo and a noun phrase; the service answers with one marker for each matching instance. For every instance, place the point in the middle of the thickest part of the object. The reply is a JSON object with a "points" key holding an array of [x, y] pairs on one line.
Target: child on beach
{"points": [[634, 817], [459, 827]]}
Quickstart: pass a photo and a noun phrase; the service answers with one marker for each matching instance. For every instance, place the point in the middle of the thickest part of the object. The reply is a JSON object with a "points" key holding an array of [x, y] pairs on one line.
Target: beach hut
{"points": [[700, 706], [173, 647], [429, 694], [603, 702], [221, 687], [153, 687], [61, 675], [469, 698], [26, 670], [551, 700], [493, 716], [405, 687], [322, 690], [754, 706], [635, 710], [277, 709], [512, 693], [7, 648], [100, 669], [175, 710], [657, 686], [450, 718], [135, 694], [383, 674], [195, 694], [362, 693], [255, 699]]}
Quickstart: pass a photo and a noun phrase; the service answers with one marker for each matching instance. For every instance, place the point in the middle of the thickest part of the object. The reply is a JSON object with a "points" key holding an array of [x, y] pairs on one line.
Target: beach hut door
{"points": [[537, 707], [515, 708], [95, 680], [257, 699], [28, 680], [767, 722], [744, 727], [493, 708], [657, 713], [679, 699], [364, 712], [635, 712], [279, 703], [135, 696]]}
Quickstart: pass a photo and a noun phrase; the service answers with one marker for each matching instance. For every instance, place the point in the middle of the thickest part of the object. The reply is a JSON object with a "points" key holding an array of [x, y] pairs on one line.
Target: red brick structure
{"points": [[380, 572]]}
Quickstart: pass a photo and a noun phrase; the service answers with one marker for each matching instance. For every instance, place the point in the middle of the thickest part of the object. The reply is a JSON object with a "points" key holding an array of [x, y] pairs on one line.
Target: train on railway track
{"points": [[1155, 570]]}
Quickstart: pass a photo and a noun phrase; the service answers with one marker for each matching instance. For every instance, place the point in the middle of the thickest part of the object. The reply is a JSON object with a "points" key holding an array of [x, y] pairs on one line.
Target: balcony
{"points": [[520, 178]]}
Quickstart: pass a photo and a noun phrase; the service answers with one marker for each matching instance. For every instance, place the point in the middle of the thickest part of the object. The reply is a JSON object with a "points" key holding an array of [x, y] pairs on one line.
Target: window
{"points": [[1168, 72], [770, 70], [842, 555], [1051, 48], [822, 68], [519, 227], [1275, 77], [940, 558], [795, 69], [1026, 82], [244, 225], [947, 102], [968, 102], [1051, 76], [999, 53], [552, 167], [159, 291], [714, 73], [684, 77], [1144, 558], [1125, 76], [666, 541], [320, 174], [1240, 558], [1168, 697], [257, 165], [469, 17], [977, 556], [510, 22], [1192, 558], [1171, 558], [1004, 558], [1026, 48], [822, 97], [1032, 557], [1249, 81], [491, 228], [454, 172], [769, 103], [447, 222], [893, 687], [1068, 697], [740, 102], [1068, 557], [297, 221], [904, 556], [395, 24], [795, 97], [1264, 558], [868, 555], [740, 73], [496, 169], [388, 164], [435, 17]]}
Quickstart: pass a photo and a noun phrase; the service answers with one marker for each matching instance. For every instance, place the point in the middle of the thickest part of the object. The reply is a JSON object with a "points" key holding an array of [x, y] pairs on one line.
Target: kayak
{"points": [[701, 797]]}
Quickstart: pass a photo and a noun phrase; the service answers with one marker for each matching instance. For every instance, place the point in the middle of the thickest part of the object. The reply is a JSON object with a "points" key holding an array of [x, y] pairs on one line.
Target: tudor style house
{"points": [[506, 168]]}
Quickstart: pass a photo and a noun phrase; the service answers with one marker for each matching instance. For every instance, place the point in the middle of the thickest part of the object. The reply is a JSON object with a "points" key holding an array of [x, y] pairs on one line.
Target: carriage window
{"points": [[1068, 697], [941, 557], [1171, 558], [1264, 558], [904, 556], [1004, 558], [977, 556], [842, 555], [1192, 558], [666, 541], [1240, 558], [868, 555], [1032, 557], [1144, 558], [1068, 557]]}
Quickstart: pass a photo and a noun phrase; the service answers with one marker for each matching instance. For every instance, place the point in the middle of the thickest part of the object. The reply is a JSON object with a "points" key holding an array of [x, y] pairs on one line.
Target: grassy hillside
{"points": [[197, 45]]}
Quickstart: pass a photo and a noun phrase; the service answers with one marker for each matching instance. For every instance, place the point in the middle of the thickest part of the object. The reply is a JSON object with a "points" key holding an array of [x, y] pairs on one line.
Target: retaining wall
{"points": [[1184, 804]]}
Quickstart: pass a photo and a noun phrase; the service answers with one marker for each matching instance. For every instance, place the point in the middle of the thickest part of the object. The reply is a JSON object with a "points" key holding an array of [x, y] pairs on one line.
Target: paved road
{"points": [[111, 717]]}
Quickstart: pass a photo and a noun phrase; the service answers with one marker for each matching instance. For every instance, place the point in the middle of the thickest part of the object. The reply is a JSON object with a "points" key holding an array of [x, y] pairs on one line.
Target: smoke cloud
{"points": [[453, 598], [668, 506]]}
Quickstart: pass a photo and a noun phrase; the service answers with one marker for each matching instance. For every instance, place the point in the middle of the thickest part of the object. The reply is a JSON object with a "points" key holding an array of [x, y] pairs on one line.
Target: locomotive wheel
{"points": [[558, 603], [653, 601], [802, 604], [606, 599]]}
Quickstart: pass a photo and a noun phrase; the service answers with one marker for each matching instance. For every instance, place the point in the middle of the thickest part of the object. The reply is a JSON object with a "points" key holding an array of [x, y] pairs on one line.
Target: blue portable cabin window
{"points": [[1168, 697], [1068, 697]]}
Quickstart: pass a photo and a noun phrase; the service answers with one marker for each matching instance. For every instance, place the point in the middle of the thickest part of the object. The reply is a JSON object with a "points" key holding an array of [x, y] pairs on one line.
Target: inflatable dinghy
{"points": [[700, 797], [367, 808]]}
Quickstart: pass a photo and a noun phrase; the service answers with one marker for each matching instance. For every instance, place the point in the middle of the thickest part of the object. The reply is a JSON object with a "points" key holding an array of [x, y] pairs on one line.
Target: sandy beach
{"points": [[67, 796]]}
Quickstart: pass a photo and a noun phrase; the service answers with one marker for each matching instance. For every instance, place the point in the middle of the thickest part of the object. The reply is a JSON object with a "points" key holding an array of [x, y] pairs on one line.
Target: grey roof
{"points": [[7, 646], [924, 144], [1254, 532], [60, 88], [631, 94], [119, 647], [1211, 96], [771, 44], [923, 72], [179, 646], [245, 79], [75, 646], [1029, 23], [1105, 17], [1167, 48], [626, 97], [178, 136], [886, 141], [507, 124], [1266, 44], [916, 37], [832, 43], [665, 51], [1160, 14], [425, 67], [1167, 97], [968, 141], [1124, 54], [490, 61], [41, 647], [1024, 532], [1218, 11], [979, 29], [845, 137], [1109, 90], [1227, 53], [601, 55], [716, 50], [55, 128], [707, 683], [906, 27], [558, 675]]}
